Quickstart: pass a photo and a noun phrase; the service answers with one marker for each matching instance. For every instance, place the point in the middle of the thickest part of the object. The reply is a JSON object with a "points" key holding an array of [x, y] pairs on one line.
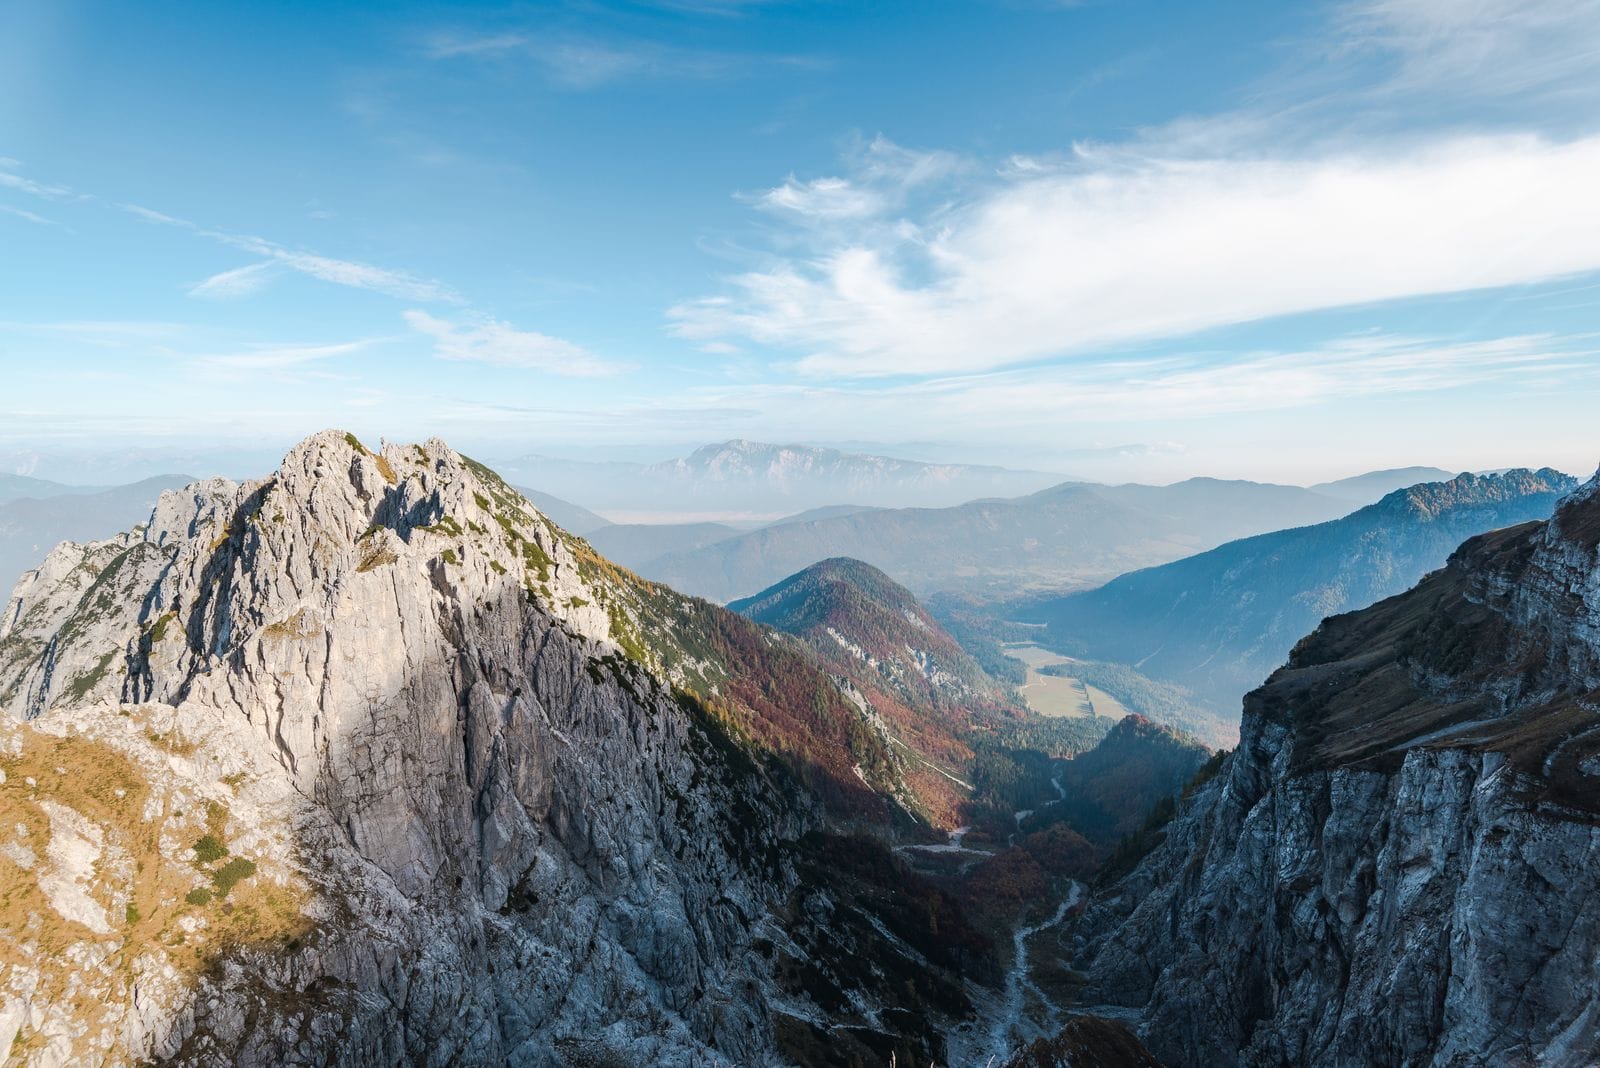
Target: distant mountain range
{"points": [[568, 516], [1218, 623], [114, 464], [1375, 485], [1076, 534], [36, 514], [755, 478]]}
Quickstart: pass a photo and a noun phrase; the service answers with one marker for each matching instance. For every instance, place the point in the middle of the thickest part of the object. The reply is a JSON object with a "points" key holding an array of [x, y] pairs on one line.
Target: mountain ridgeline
{"points": [[35, 514], [1072, 535], [900, 666], [369, 763], [752, 477], [1219, 622], [844, 605], [1397, 865]]}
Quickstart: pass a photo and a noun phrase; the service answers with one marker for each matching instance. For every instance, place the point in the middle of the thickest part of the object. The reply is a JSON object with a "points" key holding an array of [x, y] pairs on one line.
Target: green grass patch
{"points": [[158, 630], [230, 874], [81, 685], [208, 849]]}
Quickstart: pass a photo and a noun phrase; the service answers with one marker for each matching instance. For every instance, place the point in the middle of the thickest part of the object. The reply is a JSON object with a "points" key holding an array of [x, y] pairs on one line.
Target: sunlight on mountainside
{"points": [[783, 534]]}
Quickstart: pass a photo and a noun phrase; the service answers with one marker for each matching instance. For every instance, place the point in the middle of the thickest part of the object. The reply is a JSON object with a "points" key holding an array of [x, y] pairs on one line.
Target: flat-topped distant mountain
{"points": [[14, 486], [568, 516], [1075, 534], [1375, 485], [1219, 622], [636, 544], [751, 478], [1398, 863]]}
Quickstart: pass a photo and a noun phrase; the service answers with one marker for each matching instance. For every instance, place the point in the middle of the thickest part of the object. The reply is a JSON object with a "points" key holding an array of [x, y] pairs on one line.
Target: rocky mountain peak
{"points": [[521, 805], [1577, 520], [1396, 856], [456, 706], [847, 606], [1428, 500]]}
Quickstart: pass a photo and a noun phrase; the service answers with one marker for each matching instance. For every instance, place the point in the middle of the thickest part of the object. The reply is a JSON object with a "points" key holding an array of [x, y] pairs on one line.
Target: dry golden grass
{"points": [[145, 901]]}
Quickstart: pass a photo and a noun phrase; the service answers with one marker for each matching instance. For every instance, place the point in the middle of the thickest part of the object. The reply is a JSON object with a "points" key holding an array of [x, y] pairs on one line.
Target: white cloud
{"points": [[349, 273], [149, 215], [1481, 47], [1114, 251], [586, 62], [279, 357], [1043, 400], [9, 180], [453, 46], [505, 346], [22, 213], [884, 176], [824, 198], [238, 282]]}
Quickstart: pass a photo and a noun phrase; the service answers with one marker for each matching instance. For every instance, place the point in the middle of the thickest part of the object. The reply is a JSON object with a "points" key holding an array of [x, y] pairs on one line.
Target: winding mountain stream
{"points": [[1009, 1019]]}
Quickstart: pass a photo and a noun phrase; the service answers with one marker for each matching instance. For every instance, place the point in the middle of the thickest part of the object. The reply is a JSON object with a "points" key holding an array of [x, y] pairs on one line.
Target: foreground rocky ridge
{"points": [[512, 805], [1397, 865]]}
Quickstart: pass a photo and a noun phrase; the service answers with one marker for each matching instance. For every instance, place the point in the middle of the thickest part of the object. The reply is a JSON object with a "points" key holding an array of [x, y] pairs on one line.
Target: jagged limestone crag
{"points": [[1398, 865], [402, 696]]}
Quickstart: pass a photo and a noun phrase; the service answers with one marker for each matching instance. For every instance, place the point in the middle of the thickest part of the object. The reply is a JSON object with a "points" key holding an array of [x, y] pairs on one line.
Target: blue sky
{"points": [[1116, 238]]}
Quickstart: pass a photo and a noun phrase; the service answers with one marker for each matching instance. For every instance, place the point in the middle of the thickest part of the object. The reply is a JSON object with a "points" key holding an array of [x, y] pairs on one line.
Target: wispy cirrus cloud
{"points": [[1206, 222], [503, 345], [237, 282], [10, 179], [396, 283], [1480, 48], [356, 275], [581, 62], [485, 340], [1173, 389], [882, 177], [279, 358], [22, 213]]}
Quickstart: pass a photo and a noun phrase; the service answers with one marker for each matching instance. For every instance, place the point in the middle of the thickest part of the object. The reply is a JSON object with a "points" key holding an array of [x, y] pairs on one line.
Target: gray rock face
{"points": [[517, 846], [1398, 864]]}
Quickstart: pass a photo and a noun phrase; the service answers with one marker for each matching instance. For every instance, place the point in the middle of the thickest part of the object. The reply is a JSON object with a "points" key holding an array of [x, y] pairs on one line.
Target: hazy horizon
{"points": [[73, 464]]}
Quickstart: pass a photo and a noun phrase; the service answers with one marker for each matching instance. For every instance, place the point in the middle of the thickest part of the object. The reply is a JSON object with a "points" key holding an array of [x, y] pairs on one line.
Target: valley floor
{"points": [[1060, 695]]}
